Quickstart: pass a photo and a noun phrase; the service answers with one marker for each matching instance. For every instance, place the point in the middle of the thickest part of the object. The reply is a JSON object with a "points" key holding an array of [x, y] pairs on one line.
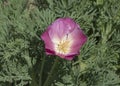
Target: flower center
{"points": [[63, 46]]}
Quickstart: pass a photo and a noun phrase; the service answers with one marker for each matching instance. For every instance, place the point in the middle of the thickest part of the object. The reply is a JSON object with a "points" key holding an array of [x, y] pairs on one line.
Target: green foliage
{"points": [[22, 58]]}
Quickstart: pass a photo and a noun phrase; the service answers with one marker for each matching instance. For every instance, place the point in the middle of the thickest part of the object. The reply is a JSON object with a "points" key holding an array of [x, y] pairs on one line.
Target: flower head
{"points": [[63, 38]]}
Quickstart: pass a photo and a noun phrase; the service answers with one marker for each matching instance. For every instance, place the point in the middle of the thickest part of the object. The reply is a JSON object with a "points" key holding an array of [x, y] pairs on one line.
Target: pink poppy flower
{"points": [[63, 38]]}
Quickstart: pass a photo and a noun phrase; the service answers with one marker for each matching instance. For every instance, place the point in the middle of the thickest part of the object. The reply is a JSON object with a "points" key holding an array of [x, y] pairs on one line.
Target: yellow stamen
{"points": [[63, 46]]}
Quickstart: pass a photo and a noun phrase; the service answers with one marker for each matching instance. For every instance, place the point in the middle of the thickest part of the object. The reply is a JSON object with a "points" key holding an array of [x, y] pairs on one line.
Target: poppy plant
{"points": [[63, 38]]}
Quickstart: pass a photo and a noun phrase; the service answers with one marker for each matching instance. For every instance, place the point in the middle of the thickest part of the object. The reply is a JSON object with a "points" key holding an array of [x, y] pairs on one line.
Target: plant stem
{"points": [[41, 70], [50, 75], [33, 83]]}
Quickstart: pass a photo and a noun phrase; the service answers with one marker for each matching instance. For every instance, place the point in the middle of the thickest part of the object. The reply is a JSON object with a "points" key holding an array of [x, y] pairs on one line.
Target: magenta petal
{"points": [[79, 38], [70, 57], [49, 52], [70, 24], [61, 27], [48, 43], [67, 57]]}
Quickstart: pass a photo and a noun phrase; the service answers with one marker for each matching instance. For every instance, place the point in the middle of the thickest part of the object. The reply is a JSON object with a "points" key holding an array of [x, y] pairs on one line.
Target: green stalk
{"points": [[33, 83], [41, 71], [51, 74]]}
